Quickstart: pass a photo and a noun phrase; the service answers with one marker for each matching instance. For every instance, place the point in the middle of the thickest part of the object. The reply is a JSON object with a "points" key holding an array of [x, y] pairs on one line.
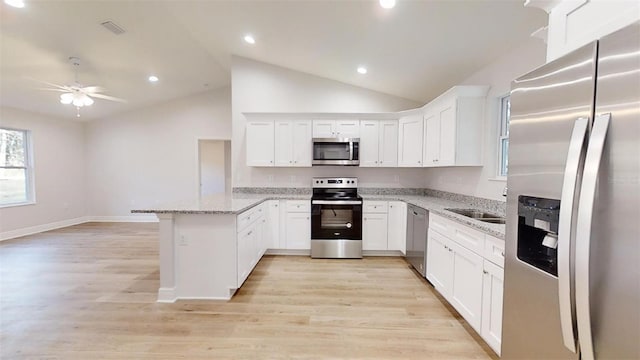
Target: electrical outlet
{"points": [[270, 178], [183, 241], [396, 178]]}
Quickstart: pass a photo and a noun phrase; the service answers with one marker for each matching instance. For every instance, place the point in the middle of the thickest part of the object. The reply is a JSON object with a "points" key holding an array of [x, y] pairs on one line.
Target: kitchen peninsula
{"points": [[209, 246]]}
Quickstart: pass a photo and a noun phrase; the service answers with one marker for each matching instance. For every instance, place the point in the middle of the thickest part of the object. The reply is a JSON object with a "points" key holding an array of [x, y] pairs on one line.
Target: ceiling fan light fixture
{"points": [[66, 98], [387, 4], [15, 3]]}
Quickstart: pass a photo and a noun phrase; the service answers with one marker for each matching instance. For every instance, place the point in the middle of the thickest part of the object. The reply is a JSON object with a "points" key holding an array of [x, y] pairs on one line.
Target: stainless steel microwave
{"points": [[336, 151]]}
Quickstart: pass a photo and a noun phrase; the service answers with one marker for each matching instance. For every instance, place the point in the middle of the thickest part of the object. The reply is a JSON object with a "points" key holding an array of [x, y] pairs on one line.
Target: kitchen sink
{"points": [[479, 215], [494, 220]]}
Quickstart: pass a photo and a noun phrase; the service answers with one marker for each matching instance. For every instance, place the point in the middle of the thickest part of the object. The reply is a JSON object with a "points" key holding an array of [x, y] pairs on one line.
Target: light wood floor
{"points": [[89, 291]]}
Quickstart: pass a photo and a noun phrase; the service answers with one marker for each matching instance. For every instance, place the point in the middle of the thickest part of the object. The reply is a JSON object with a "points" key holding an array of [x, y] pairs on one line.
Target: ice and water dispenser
{"points": [[538, 232]]}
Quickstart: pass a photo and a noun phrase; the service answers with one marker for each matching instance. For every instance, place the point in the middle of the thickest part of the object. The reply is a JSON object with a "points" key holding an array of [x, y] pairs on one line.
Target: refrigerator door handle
{"points": [[583, 231], [574, 155]]}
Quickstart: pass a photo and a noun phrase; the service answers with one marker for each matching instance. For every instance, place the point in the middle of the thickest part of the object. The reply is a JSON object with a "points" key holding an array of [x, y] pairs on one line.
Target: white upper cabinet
{"points": [[378, 143], [293, 143], [453, 127], [573, 23], [410, 129], [260, 143], [336, 128]]}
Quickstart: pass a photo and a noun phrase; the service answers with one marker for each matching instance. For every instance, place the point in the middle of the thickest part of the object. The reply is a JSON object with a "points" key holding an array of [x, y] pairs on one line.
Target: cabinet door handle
{"points": [[484, 272], [250, 232], [502, 253], [307, 218], [419, 161]]}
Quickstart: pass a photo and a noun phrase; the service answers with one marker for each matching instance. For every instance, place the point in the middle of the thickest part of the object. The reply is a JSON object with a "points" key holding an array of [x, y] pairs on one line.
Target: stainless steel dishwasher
{"points": [[417, 225]]}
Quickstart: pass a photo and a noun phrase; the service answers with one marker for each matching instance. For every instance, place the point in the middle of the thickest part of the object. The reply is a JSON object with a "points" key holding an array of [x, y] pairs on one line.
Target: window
{"points": [[15, 167], [503, 141]]}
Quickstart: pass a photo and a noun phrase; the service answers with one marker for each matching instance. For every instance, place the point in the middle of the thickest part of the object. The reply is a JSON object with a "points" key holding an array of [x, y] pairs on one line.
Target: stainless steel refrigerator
{"points": [[572, 268]]}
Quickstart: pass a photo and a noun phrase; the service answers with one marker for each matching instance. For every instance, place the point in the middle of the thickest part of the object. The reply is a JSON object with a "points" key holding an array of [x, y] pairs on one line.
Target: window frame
{"points": [[503, 134], [28, 167]]}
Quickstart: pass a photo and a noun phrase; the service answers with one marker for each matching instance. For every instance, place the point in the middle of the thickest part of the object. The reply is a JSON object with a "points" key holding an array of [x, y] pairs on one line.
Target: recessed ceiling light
{"points": [[153, 78], [387, 4], [15, 3], [249, 39], [362, 70]]}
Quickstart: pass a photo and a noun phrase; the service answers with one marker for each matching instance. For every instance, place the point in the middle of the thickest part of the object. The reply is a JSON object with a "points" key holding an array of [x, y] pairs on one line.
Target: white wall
{"points": [[149, 156], [481, 182], [59, 168], [212, 167], [260, 87]]}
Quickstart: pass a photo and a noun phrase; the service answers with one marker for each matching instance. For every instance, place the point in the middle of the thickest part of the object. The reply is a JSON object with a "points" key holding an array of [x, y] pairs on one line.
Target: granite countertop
{"points": [[219, 204], [438, 205], [238, 202]]}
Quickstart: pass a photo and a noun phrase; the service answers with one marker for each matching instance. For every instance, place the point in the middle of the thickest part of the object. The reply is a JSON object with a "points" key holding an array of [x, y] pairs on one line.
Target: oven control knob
{"points": [[349, 225]]}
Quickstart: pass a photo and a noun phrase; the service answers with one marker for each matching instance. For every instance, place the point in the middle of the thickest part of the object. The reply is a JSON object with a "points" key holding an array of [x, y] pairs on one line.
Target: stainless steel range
{"points": [[336, 219]]}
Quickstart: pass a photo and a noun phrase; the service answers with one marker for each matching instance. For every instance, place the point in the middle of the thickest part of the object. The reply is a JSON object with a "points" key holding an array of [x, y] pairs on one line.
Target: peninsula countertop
{"points": [[237, 203]]}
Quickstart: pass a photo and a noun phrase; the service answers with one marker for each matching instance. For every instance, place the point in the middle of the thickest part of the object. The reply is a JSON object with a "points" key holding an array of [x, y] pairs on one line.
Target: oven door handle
{"points": [[336, 202]]}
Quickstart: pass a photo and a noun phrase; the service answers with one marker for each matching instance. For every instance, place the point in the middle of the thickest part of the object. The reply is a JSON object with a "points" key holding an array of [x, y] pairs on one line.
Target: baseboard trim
{"points": [[167, 295], [12, 234], [131, 218], [382, 253], [295, 252]]}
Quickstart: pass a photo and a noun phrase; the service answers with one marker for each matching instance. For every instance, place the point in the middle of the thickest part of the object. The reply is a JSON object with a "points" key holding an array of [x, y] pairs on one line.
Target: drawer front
{"points": [[494, 250], [469, 238], [245, 219], [298, 205], [441, 225], [376, 207], [248, 217]]}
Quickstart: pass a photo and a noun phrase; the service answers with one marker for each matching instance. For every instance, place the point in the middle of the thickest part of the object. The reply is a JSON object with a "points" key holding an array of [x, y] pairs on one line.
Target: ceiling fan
{"points": [[77, 94]]}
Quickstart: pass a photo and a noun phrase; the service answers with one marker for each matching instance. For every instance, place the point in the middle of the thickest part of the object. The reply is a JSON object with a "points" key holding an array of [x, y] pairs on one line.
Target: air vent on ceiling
{"points": [[113, 27]]}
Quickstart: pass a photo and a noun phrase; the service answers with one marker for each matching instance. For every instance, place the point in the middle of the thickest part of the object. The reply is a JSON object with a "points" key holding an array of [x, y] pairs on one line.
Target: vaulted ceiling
{"points": [[416, 50]]}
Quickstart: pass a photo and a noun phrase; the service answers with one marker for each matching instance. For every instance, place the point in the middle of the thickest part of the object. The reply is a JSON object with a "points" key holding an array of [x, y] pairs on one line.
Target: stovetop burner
{"points": [[335, 189]]}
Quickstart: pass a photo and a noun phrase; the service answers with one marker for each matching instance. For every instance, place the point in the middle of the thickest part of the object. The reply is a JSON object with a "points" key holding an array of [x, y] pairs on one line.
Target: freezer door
{"points": [[609, 304], [547, 105]]}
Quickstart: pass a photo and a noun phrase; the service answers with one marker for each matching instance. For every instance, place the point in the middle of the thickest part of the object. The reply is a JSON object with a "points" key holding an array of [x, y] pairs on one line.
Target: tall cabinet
{"points": [[453, 124], [410, 129]]}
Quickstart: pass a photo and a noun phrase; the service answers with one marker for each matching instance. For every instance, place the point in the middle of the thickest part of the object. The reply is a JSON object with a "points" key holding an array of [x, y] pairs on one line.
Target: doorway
{"points": [[214, 167]]}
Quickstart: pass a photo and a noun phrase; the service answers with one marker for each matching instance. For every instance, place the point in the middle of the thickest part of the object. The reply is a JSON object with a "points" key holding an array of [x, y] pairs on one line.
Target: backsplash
{"points": [[272, 190], [493, 206]]}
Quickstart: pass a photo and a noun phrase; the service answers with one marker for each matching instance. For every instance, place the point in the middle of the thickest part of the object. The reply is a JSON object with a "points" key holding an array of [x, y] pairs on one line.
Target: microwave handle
{"points": [[350, 150]]}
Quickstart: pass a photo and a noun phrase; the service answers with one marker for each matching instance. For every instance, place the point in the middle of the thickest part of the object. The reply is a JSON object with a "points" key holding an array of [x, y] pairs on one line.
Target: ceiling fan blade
{"points": [[50, 89], [92, 89], [62, 87], [107, 97]]}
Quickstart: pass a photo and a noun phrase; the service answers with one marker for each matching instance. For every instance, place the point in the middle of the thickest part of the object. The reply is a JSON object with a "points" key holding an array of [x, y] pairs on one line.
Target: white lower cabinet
{"points": [[439, 263], [397, 226], [272, 237], [374, 225], [493, 284], [298, 225], [461, 265], [251, 243], [374, 231], [466, 289]]}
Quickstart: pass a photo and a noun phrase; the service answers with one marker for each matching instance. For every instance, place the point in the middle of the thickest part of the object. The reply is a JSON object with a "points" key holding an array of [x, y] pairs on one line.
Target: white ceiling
{"points": [[416, 50]]}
